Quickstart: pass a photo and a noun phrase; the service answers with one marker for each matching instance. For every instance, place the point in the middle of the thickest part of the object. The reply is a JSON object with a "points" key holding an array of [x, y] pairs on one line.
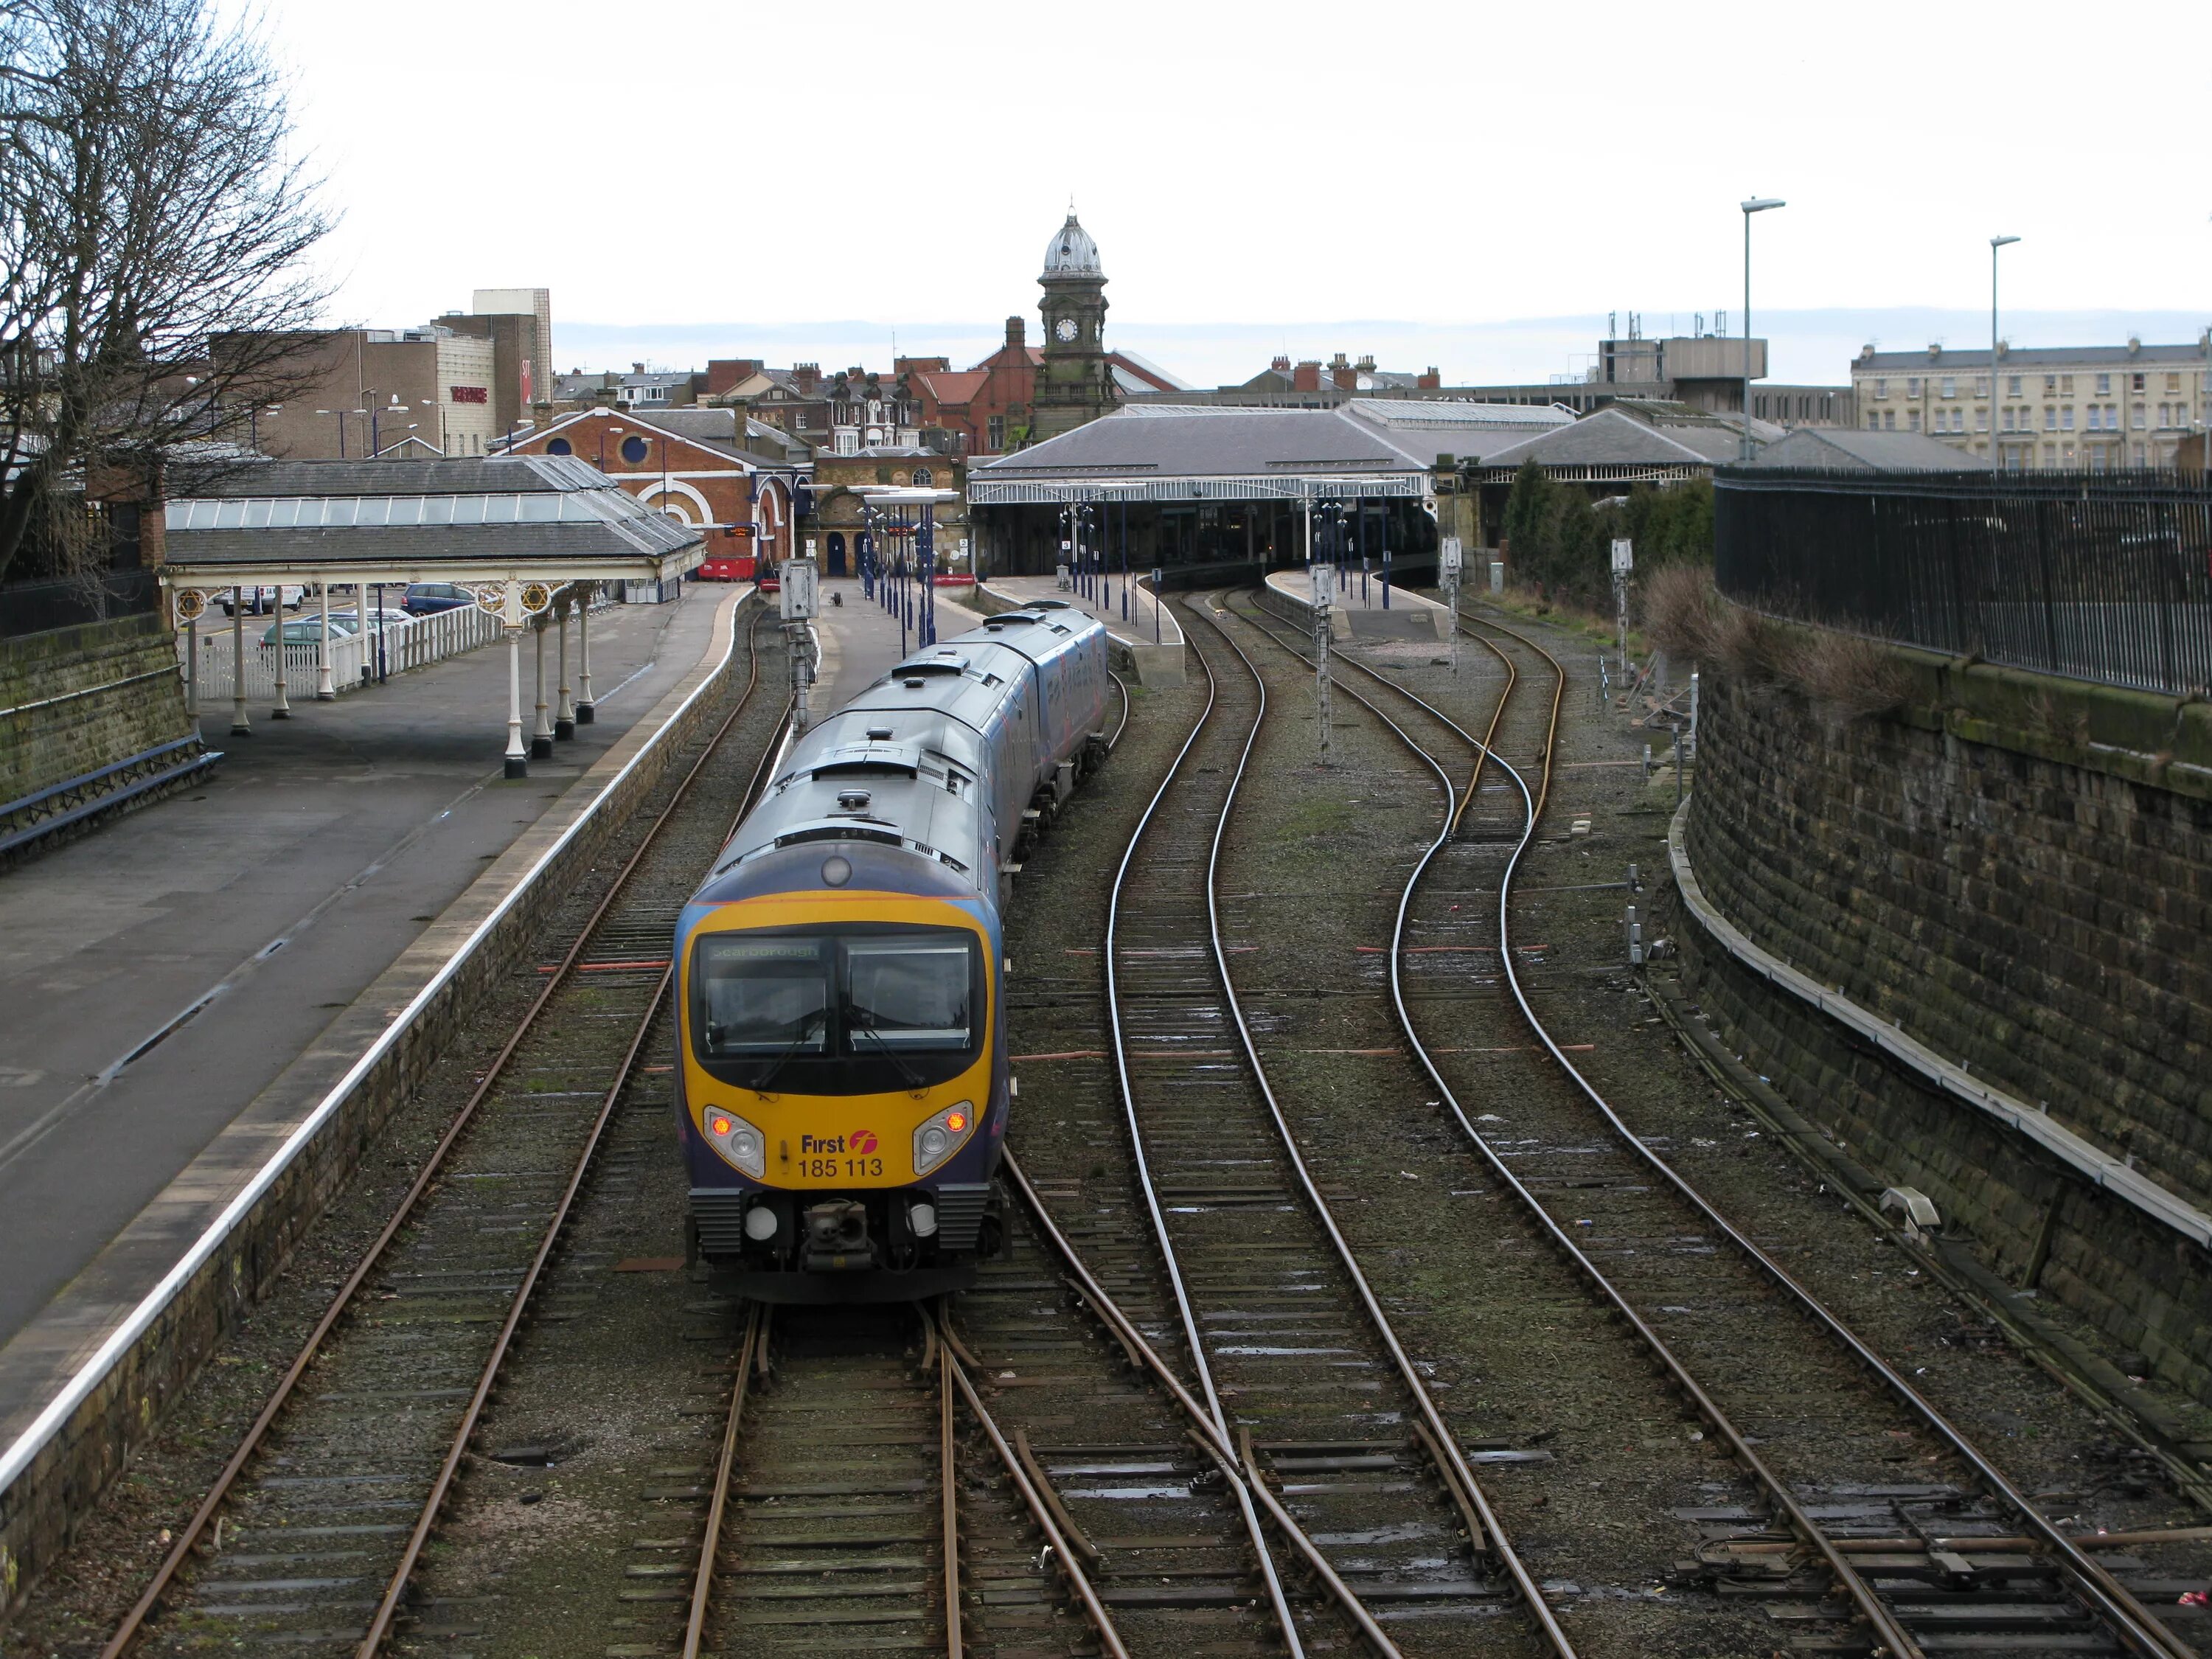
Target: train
{"points": [[843, 1084]]}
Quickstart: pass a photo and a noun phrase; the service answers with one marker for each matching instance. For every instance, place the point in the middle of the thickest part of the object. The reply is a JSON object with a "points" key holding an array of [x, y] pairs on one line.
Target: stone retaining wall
{"points": [[39, 1509], [136, 702], [2018, 872]]}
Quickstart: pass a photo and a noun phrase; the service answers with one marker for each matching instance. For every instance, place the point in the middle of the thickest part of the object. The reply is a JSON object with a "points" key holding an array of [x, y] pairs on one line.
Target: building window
{"points": [[1913, 386], [1873, 420], [634, 449], [1981, 385], [848, 443], [2164, 416], [995, 431], [1950, 385], [2066, 418], [2049, 385], [2012, 386], [1916, 420], [1981, 420], [1882, 388], [1889, 420], [2066, 384], [2139, 448], [921, 477], [2049, 417], [560, 447], [2135, 383], [2173, 383], [2103, 385]]}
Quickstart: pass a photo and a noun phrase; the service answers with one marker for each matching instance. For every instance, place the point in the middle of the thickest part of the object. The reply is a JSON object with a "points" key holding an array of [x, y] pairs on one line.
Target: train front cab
{"points": [[843, 1103]]}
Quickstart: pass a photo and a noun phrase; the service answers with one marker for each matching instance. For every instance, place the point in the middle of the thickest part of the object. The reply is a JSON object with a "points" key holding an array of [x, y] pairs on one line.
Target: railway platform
{"points": [[1360, 612], [176, 979], [860, 640]]}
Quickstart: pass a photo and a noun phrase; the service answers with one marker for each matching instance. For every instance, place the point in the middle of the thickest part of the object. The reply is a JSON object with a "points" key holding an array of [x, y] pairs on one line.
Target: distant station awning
{"points": [[1170, 453], [500, 518]]}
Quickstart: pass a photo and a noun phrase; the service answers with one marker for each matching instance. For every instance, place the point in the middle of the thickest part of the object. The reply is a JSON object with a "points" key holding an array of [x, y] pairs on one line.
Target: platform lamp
{"points": [[1756, 205], [1995, 242], [342, 414]]}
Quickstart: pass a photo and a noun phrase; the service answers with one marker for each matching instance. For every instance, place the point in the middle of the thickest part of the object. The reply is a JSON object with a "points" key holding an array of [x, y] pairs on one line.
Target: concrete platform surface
{"points": [[1358, 607], [160, 974], [861, 641]]}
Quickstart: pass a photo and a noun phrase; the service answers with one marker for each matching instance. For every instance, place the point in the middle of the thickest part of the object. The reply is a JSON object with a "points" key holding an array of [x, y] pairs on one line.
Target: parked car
{"points": [[260, 601], [308, 630], [427, 598], [379, 616]]}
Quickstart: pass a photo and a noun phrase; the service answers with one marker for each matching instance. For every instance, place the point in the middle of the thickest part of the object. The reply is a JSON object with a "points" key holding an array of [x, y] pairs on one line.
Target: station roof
{"points": [[1164, 451], [524, 518], [1845, 449]]}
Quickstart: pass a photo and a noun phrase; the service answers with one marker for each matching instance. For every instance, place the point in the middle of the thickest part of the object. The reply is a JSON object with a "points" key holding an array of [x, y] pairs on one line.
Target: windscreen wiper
{"points": [[908, 1074], [759, 1085]]}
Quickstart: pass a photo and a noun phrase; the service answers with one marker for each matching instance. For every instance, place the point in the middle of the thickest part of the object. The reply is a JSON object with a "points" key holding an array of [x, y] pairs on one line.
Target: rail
{"points": [[2097, 1589], [427, 1178], [2094, 576]]}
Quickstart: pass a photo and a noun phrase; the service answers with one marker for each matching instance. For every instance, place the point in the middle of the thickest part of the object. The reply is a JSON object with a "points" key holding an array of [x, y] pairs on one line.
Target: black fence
{"points": [[33, 607], [2097, 576]]}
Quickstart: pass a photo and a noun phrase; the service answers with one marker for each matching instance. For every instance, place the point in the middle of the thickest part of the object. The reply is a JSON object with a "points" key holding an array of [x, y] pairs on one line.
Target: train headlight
{"points": [[738, 1142], [941, 1136], [760, 1223], [923, 1218]]}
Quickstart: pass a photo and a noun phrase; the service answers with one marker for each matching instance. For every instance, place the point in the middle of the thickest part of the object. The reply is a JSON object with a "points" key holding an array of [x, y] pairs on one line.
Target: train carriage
{"points": [[842, 1079]]}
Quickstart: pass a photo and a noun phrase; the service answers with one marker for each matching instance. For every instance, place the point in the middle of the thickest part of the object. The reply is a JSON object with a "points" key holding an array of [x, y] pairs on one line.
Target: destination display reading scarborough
{"points": [[838, 1010]]}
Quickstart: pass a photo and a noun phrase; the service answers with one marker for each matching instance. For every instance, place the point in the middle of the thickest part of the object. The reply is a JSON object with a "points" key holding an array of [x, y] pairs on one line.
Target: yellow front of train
{"points": [[842, 1091]]}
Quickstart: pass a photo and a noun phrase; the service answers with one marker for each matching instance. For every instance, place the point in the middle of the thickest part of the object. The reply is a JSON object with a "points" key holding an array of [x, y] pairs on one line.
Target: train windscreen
{"points": [[857, 1009]]}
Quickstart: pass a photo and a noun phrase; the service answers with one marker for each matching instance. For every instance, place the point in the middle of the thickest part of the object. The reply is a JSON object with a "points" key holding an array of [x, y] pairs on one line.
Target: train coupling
{"points": [[837, 1233]]}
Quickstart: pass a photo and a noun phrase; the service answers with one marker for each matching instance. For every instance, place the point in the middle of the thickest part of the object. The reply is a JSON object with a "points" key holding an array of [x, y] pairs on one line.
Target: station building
{"points": [[1212, 492]]}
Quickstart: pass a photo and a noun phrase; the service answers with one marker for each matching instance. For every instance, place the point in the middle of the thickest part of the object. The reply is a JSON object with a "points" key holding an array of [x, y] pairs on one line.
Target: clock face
{"points": [[1066, 329]]}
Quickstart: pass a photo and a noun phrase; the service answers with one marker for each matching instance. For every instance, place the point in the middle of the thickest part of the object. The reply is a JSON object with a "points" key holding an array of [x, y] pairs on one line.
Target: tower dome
{"points": [[1072, 252]]}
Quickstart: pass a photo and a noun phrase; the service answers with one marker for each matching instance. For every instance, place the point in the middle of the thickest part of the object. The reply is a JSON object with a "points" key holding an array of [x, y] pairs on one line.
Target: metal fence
{"points": [[356, 660], [2095, 577], [33, 607]]}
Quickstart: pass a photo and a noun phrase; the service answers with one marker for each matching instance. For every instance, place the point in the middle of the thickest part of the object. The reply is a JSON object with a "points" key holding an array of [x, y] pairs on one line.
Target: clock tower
{"points": [[1074, 383]]}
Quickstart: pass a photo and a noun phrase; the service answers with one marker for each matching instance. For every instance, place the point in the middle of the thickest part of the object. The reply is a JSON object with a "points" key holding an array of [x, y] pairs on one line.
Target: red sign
{"points": [[470, 394]]}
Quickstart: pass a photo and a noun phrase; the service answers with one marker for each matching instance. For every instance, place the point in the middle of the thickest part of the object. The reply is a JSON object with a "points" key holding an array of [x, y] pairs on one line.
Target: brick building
{"points": [[835, 525], [688, 463]]}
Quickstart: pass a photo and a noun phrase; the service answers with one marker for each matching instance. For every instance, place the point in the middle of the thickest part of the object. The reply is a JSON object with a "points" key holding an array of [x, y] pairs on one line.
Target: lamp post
{"points": [[1756, 205], [342, 414], [1995, 242]]}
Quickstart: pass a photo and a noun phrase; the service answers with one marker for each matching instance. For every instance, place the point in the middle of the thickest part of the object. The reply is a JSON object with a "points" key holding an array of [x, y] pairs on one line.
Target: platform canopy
{"points": [[494, 519]]}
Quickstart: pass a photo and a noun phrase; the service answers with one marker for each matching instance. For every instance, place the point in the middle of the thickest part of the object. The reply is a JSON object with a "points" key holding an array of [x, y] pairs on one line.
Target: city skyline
{"points": [[1434, 187]]}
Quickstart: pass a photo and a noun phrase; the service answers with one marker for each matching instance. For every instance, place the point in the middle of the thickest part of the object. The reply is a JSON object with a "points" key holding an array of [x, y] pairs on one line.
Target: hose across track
{"points": [[1889, 1613], [386, 1386], [1168, 992]]}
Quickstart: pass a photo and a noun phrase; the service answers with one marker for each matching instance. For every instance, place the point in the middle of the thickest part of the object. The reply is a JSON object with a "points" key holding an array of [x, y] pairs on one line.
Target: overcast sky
{"points": [[799, 180]]}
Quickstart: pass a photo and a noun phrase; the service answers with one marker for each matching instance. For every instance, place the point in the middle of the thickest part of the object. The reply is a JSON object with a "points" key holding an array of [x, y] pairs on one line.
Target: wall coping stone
{"points": [[2037, 1125]]}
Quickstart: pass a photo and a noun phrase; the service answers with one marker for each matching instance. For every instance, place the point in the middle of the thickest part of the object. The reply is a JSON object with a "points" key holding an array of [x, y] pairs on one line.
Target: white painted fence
{"points": [[354, 656]]}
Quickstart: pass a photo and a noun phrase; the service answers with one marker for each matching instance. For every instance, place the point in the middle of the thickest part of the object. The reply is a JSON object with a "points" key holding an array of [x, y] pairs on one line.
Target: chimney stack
{"points": [[1281, 365], [1016, 332], [1342, 375], [1430, 380], [1307, 376], [807, 376]]}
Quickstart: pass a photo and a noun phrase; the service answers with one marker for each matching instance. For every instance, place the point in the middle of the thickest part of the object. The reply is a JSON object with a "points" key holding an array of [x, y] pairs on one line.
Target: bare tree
{"points": [[149, 202]]}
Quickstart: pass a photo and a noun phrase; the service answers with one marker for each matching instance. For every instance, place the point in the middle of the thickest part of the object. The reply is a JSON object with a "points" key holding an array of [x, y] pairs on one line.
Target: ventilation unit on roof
{"points": [[879, 734]]}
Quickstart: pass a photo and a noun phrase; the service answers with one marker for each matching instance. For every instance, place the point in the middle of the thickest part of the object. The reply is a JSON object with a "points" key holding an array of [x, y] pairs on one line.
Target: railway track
{"points": [[1956, 1557], [312, 1533], [1220, 1270]]}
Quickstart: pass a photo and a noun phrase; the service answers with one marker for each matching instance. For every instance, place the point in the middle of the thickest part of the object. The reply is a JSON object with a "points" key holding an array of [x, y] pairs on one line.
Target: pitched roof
{"points": [[1199, 442], [953, 387], [1846, 449], [453, 476], [1613, 437]]}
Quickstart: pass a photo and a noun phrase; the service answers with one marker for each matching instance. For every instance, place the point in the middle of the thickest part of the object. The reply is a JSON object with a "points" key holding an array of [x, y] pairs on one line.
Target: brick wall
{"points": [[2013, 900]]}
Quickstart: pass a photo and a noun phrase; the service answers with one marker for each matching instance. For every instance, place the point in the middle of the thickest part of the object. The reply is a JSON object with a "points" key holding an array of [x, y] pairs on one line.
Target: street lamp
{"points": [[1756, 205], [1995, 242], [342, 414]]}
